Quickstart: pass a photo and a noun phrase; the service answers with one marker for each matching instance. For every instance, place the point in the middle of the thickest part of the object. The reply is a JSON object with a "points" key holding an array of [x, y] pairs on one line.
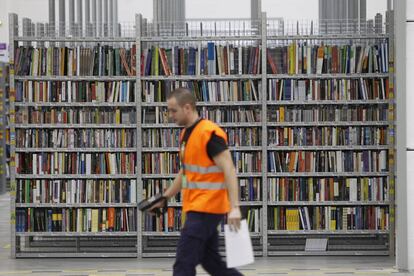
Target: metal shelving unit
{"points": [[162, 244], [57, 243]]}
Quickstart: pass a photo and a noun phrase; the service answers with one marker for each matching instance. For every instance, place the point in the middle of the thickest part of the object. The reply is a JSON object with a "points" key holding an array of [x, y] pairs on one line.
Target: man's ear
{"points": [[187, 107]]}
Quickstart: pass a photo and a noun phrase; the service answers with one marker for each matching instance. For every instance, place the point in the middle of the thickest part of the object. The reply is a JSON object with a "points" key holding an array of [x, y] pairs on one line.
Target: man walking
{"points": [[209, 186]]}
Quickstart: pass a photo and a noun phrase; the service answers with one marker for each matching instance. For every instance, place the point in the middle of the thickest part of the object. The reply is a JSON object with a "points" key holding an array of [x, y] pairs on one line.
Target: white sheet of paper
{"points": [[239, 250]]}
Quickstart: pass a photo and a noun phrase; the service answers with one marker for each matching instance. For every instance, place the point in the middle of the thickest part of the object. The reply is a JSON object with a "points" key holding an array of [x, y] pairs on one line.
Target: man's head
{"points": [[182, 106]]}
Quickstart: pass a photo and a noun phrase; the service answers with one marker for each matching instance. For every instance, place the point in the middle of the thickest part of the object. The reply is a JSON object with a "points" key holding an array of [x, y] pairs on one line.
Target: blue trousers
{"points": [[198, 244]]}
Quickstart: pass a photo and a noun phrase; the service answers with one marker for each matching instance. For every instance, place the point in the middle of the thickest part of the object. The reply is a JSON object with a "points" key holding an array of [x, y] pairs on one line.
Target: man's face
{"points": [[177, 113]]}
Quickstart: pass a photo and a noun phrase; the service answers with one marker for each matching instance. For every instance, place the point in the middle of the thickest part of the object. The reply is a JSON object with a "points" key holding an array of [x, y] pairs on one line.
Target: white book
{"points": [[309, 59], [88, 163], [256, 221], [353, 190], [30, 92], [128, 88], [113, 164], [34, 164], [307, 218], [339, 161], [302, 219], [69, 92], [133, 191], [63, 95], [336, 188], [78, 58], [220, 59], [70, 63]]}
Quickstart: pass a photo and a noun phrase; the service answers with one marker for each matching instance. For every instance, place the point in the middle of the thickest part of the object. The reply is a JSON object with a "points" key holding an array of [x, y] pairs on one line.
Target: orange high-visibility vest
{"points": [[203, 186]]}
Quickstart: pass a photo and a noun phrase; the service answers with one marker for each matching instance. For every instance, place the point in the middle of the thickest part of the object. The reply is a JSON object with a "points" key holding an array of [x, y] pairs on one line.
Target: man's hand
{"points": [[157, 205], [233, 219]]}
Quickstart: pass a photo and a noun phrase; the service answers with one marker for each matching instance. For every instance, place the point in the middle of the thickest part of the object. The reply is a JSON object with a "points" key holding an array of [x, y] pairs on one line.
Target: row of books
{"points": [[328, 218], [328, 189], [246, 162], [76, 138], [239, 114], [304, 58], [170, 221], [210, 59], [75, 91], [75, 163], [328, 89], [282, 136], [204, 91], [159, 115], [249, 188], [328, 113], [76, 191], [168, 162], [244, 136], [160, 137], [126, 138], [160, 163], [35, 115], [76, 220], [152, 187], [99, 60], [174, 219], [327, 136], [328, 161]]}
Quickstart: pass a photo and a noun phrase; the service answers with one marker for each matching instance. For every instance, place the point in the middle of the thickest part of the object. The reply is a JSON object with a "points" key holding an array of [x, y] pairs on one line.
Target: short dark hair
{"points": [[183, 96]]}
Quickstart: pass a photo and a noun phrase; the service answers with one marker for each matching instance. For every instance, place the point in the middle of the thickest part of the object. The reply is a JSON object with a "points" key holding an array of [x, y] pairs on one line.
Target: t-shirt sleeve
{"points": [[216, 145]]}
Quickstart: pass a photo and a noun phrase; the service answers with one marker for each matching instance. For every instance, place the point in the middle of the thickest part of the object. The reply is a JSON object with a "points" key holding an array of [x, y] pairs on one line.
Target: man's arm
{"points": [[171, 191], [224, 161]]}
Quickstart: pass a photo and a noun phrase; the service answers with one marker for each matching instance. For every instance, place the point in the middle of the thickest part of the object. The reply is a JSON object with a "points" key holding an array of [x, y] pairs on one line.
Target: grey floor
{"points": [[328, 266]]}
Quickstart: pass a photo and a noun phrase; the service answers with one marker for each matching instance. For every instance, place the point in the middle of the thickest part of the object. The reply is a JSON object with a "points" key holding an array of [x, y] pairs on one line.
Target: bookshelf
{"points": [[74, 165], [4, 128], [315, 145]]}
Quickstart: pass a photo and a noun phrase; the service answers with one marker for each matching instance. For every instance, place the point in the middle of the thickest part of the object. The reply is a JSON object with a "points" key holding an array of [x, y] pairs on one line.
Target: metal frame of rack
{"points": [[3, 127], [262, 238]]}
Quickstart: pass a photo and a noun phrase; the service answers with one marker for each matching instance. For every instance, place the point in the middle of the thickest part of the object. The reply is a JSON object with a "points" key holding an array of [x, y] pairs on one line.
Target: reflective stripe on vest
{"points": [[206, 185], [201, 170]]}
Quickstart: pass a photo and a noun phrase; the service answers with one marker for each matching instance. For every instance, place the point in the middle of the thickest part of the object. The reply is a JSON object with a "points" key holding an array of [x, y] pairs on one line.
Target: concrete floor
{"points": [[328, 266]]}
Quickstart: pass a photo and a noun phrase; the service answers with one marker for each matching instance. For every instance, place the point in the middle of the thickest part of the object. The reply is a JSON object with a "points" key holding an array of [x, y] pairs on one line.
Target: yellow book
{"points": [[281, 114], [118, 116], [123, 140], [95, 218], [365, 181], [292, 59], [310, 188], [292, 217], [332, 218], [156, 62]]}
